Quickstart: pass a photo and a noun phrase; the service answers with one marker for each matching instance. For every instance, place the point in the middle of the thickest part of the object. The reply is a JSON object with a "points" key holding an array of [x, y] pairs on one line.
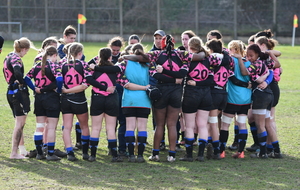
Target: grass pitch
{"points": [[228, 173]]}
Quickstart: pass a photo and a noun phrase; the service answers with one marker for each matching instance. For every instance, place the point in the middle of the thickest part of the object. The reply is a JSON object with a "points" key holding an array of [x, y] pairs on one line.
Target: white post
{"points": [[293, 38], [78, 34]]}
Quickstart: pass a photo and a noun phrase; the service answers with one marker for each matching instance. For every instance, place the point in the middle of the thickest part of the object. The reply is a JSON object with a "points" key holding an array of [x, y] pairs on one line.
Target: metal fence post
{"points": [[235, 20], [46, 19], [196, 17], [9, 15], [158, 14], [121, 16], [274, 17]]}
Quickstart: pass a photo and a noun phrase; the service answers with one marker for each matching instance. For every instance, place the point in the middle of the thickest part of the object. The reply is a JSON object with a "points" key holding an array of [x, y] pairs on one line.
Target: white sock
{"points": [[22, 150]]}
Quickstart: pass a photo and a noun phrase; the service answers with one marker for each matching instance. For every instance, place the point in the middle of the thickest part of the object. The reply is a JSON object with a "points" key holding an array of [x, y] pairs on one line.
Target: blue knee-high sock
{"points": [[112, 143], [51, 146], [85, 141], [94, 145], [130, 141], [142, 139], [262, 139], [253, 129], [270, 147], [189, 147], [38, 141], [209, 140], [216, 146], [223, 140], [78, 132], [236, 134], [243, 135], [276, 146], [172, 153], [70, 151], [202, 143]]}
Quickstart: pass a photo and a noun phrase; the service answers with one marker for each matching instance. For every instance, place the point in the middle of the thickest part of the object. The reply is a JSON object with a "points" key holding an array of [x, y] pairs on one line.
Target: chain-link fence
{"points": [[231, 17]]}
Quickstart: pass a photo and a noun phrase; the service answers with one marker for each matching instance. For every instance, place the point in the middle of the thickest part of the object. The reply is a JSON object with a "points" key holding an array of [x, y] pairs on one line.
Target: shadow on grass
{"points": [[216, 174]]}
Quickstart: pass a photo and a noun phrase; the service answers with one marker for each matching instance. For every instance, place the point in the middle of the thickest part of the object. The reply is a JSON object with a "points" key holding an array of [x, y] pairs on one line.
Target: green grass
{"points": [[223, 174]]}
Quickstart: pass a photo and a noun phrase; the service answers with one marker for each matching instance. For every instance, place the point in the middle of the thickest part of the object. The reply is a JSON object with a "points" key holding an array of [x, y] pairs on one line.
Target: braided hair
{"points": [[168, 43]]}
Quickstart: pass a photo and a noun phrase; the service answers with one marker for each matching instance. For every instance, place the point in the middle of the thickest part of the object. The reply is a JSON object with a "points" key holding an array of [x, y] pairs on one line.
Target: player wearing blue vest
{"points": [[136, 105], [238, 102]]}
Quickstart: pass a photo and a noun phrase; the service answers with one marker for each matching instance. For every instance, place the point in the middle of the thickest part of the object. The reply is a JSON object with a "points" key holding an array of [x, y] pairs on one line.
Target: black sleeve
{"points": [[93, 82], [92, 61], [18, 74], [176, 74], [161, 77], [208, 82], [49, 87], [107, 69], [238, 82]]}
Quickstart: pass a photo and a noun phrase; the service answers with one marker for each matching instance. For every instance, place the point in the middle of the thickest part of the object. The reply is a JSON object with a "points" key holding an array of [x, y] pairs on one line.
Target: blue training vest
{"points": [[237, 94], [138, 74]]}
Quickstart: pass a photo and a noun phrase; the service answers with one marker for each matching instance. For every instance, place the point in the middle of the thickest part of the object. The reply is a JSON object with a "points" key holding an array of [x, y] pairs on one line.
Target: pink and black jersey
{"points": [[223, 71], [200, 70], [74, 74], [51, 72], [105, 79], [256, 70], [277, 73], [38, 59], [94, 60], [269, 63], [176, 61], [12, 60], [63, 60]]}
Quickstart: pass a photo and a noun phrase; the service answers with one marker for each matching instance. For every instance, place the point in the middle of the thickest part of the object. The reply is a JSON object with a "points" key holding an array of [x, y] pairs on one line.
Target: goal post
{"points": [[18, 23]]}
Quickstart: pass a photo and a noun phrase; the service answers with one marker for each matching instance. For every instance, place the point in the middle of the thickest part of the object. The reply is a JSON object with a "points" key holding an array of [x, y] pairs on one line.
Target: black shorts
{"points": [[196, 98], [219, 99], [262, 99], [19, 103], [237, 109], [171, 96], [47, 104], [105, 104], [69, 106], [276, 92], [136, 112]]}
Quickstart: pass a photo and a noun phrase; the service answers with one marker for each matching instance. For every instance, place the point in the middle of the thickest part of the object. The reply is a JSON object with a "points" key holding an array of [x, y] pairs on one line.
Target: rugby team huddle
{"points": [[195, 90]]}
